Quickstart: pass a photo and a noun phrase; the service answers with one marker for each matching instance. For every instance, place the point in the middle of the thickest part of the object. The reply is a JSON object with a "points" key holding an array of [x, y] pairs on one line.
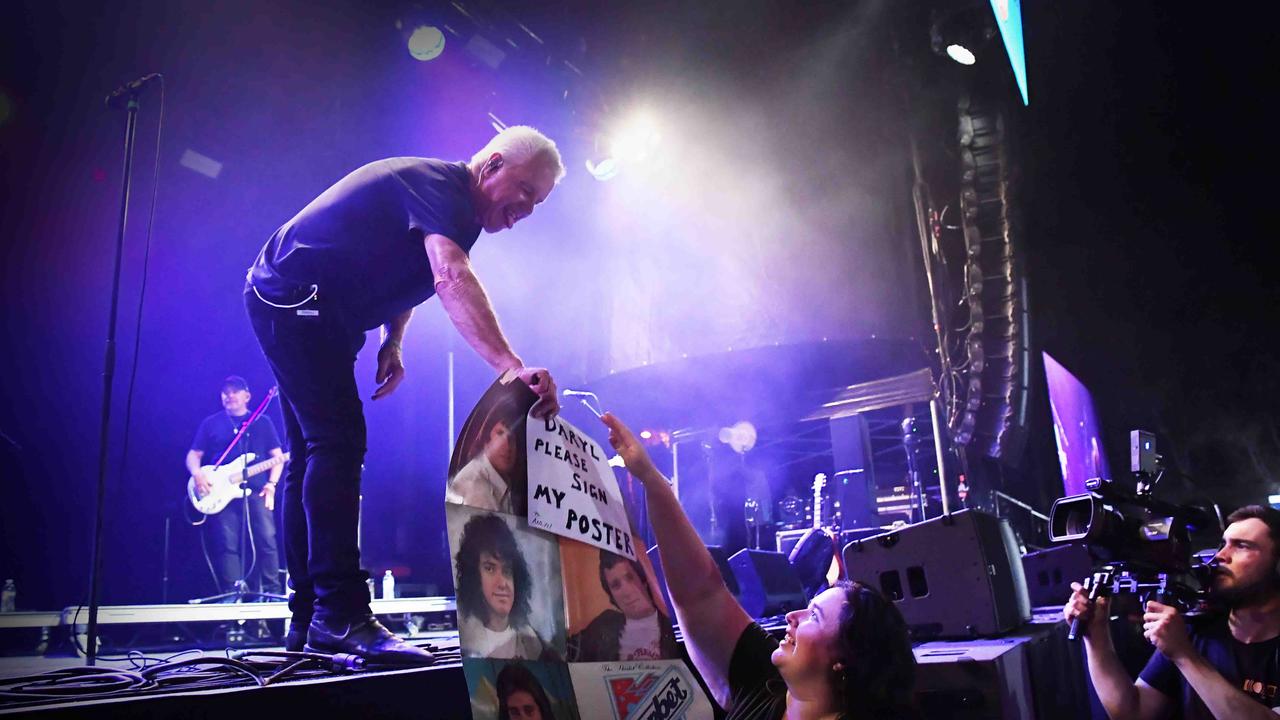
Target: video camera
{"points": [[1142, 544]]}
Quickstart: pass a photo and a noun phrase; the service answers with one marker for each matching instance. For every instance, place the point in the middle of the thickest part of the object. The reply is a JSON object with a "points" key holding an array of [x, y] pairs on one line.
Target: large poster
{"points": [[555, 619]]}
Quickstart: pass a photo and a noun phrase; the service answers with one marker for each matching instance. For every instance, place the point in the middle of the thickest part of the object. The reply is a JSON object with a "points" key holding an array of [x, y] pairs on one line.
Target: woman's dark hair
{"points": [[514, 678], [489, 534], [879, 667]]}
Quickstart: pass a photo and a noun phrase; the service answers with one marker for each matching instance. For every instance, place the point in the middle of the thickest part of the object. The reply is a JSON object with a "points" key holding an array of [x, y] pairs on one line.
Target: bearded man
{"points": [[1228, 665]]}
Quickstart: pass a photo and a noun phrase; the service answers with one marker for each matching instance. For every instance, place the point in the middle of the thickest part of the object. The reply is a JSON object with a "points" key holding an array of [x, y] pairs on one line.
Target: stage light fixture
{"points": [[654, 438], [961, 54], [961, 33], [629, 145], [606, 169], [741, 436], [426, 42]]}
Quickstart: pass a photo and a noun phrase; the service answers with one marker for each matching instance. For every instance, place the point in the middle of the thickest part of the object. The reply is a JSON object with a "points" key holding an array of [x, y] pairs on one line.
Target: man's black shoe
{"points": [[296, 639], [367, 638]]}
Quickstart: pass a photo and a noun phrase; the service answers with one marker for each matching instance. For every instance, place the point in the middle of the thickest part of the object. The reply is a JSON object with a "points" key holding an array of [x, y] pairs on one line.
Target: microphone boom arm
{"points": [[585, 397]]}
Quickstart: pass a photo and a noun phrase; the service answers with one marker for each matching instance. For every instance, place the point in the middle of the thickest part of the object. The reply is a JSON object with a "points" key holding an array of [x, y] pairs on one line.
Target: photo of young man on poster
{"points": [[633, 625], [503, 612], [519, 690], [520, 695], [488, 470]]}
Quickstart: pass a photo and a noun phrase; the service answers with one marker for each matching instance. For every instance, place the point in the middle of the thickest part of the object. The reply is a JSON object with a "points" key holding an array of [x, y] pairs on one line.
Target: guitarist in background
{"points": [[223, 530]]}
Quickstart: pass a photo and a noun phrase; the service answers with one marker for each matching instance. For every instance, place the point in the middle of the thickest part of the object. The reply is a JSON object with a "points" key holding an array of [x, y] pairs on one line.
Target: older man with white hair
{"points": [[361, 256]]}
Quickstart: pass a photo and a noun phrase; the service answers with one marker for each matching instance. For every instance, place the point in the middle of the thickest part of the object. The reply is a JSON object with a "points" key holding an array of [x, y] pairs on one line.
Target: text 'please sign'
{"points": [[572, 490]]}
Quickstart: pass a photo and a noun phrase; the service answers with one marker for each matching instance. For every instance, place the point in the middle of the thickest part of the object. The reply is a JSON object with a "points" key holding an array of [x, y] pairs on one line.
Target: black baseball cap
{"points": [[235, 382]]}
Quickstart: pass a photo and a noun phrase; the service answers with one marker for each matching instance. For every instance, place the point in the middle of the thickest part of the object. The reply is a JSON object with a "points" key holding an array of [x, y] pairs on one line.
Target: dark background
{"points": [[1144, 153]]}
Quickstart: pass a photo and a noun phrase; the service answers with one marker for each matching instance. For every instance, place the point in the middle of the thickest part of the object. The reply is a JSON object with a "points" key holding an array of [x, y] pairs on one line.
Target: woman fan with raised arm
{"points": [[845, 656]]}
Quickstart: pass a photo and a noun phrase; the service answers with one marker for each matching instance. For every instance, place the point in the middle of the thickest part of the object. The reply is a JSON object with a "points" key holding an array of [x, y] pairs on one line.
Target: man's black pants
{"points": [[225, 530], [312, 354]]}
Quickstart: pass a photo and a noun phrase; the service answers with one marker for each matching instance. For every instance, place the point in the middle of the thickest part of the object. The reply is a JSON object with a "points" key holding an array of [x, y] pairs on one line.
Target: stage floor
{"points": [[193, 684], [16, 665], [155, 659]]}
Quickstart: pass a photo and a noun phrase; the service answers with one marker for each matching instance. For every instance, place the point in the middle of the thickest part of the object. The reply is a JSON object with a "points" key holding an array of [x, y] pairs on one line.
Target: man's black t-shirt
{"points": [[1253, 668], [361, 241], [756, 690], [215, 434]]}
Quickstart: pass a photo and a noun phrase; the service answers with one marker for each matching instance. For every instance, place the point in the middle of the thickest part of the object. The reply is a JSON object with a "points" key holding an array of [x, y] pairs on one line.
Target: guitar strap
{"points": [[262, 406]]}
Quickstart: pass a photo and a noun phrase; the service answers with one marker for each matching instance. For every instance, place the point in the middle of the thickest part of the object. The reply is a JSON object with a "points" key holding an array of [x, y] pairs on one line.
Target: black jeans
{"points": [[224, 532], [312, 354]]}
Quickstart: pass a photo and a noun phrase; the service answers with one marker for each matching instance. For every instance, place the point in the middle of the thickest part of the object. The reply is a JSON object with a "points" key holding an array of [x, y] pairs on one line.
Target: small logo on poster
{"points": [[650, 695]]}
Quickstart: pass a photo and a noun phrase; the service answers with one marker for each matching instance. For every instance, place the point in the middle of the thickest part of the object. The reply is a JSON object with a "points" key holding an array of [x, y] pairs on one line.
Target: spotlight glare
{"points": [[628, 146], [636, 141], [741, 436], [961, 54], [645, 434], [426, 43]]}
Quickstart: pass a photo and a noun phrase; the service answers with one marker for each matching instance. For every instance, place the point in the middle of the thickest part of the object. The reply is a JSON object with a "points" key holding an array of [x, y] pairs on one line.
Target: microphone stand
{"points": [[108, 376]]}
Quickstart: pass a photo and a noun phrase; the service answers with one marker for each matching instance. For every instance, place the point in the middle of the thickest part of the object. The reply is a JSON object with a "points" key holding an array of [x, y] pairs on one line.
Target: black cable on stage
{"points": [[204, 550], [142, 291], [239, 669], [231, 663], [72, 681], [286, 654]]}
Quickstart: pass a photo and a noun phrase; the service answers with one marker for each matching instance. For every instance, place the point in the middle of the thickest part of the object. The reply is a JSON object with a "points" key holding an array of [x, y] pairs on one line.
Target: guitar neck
{"points": [[817, 502], [265, 465]]}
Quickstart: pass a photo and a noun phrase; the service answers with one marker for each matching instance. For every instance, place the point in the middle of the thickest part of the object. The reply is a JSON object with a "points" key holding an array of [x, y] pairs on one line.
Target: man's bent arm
{"points": [[394, 330], [1120, 695], [1223, 700], [193, 461], [467, 305]]}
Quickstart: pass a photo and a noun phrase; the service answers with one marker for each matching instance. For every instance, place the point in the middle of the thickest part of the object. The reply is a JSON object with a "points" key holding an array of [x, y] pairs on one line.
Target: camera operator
{"points": [[1227, 666]]}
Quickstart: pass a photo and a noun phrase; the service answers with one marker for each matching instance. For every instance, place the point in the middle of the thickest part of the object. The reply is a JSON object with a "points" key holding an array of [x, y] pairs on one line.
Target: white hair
{"points": [[518, 144]]}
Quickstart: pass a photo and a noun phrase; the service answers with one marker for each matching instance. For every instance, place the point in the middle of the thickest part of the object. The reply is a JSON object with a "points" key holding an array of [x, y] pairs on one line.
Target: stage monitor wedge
{"points": [[770, 585], [954, 576]]}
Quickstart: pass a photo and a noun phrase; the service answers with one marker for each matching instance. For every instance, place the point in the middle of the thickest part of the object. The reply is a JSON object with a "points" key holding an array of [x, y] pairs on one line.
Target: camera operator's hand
{"points": [[1094, 616], [1164, 627]]}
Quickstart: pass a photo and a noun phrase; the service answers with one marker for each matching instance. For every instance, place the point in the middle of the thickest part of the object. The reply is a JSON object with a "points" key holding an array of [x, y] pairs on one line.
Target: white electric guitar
{"points": [[819, 483], [226, 483]]}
